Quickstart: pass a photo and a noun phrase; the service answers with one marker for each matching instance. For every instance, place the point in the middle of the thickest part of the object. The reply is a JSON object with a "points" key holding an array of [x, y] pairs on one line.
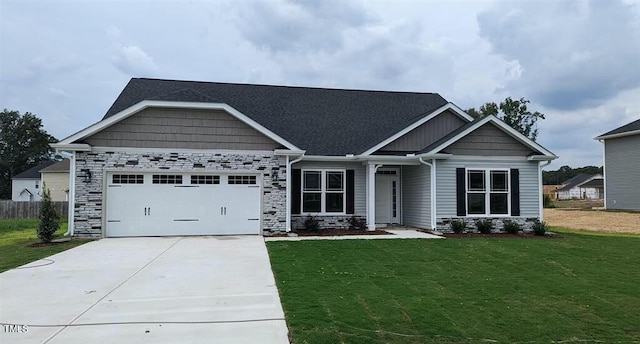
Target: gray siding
{"points": [[446, 184], [360, 179], [622, 172], [416, 196], [488, 140], [182, 128], [426, 134]]}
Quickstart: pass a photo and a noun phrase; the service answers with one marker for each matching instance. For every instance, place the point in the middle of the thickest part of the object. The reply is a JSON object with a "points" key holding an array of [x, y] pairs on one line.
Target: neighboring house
{"points": [[582, 186], [199, 158], [26, 186], [551, 191], [622, 166], [56, 178]]}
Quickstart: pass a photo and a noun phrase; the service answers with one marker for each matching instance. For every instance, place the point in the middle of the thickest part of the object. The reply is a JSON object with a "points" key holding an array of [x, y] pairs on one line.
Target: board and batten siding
{"points": [[488, 140], [622, 172], [360, 179], [446, 184], [184, 129], [427, 133], [416, 196]]}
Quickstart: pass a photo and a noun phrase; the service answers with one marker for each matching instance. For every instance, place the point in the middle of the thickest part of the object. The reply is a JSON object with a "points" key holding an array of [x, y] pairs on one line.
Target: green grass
{"points": [[578, 288], [15, 237]]}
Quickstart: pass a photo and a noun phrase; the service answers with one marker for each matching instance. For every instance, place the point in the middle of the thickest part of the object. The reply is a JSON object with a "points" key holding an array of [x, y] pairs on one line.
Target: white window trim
{"points": [[487, 192], [323, 192]]}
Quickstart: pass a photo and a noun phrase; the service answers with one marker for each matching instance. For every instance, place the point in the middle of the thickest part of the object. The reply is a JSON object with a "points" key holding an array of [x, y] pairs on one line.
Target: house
{"points": [[198, 158], [26, 186], [56, 178], [621, 166], [582, 186]]}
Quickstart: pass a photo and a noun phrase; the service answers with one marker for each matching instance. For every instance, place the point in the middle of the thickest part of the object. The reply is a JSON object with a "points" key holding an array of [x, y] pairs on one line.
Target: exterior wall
{"points": [[89, 196], [621, 170], [184, 129], [17, 185], [446, 190], [426, 134], [57, 183], [488, 140], [416, 196], [360, 194]]}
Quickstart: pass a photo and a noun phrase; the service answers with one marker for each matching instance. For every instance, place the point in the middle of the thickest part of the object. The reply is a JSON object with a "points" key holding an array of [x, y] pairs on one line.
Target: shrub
{"points": [[458, 226], [540, 228], [484, 226], [49, 219], [547, 202], [357, 223], [511, 227], [311, 224]]}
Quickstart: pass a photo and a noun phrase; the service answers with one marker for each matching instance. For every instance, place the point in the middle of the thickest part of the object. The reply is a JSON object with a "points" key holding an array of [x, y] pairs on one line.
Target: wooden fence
{"points": [[21, 210]]}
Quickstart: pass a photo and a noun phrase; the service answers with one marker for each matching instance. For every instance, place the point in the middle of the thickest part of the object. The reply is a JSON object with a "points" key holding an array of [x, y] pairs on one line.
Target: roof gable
{"points": [[493, 134], [424, 132], [632, 128], [322, 121], [60, 166]]}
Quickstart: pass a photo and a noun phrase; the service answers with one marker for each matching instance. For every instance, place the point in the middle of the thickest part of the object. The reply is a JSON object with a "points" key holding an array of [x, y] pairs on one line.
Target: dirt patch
{"points": [[579, 203], [594, 220], [339, 232]]}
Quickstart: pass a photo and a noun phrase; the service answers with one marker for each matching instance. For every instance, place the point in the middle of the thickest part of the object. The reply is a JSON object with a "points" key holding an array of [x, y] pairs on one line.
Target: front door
{"points": [[387, 196]]}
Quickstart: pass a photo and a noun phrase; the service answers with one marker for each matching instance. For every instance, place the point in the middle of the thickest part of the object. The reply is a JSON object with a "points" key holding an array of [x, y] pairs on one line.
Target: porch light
{"points": [[274, 175], [86, 175]]}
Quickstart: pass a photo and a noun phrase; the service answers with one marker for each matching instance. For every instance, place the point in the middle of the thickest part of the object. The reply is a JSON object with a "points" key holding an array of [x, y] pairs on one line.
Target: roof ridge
{"points": [[287, 86]]}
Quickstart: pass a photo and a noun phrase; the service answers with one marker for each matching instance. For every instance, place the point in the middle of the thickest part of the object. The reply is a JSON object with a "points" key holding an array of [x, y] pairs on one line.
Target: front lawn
{"points": [[16, 236], [577, 288]]}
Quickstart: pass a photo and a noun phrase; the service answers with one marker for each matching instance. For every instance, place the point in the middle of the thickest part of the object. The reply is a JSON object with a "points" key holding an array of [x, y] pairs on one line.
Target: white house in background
{"points": [[56, 179], [582, 186], [27, 185]]}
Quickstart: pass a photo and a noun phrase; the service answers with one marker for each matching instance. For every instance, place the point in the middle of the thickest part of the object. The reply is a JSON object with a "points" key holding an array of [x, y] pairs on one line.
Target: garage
{"points": [[163, 204]]}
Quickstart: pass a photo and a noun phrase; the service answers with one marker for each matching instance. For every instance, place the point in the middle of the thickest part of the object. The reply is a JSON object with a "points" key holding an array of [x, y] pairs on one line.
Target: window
{"points": [[37, 184], [323, 191], [487, 192], [242, 180], [167, 179], [205, 179], [127, 179]]}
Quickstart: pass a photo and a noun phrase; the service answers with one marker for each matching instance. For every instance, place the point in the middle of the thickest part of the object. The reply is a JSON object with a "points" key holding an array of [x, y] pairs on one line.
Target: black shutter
{"points": [[515, 192], [461, 192], [296, 179], [350, 192]]}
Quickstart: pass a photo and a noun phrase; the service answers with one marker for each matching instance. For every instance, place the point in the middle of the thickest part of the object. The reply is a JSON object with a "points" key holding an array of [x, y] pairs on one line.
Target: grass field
{"points": [[15, 237], [577, 288]]}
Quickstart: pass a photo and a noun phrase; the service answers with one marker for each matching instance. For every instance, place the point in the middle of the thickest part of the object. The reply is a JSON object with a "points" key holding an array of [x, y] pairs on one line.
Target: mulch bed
{"points": [[340, 232], [500, 235], [45, 244]]}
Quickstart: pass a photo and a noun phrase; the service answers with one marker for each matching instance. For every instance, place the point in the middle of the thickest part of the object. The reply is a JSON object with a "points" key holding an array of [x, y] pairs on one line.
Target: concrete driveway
{"points": [[146, 290]]}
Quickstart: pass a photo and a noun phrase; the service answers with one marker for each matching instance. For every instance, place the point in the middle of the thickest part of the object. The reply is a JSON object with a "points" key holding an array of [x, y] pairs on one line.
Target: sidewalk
{"points": [[396, 234]]}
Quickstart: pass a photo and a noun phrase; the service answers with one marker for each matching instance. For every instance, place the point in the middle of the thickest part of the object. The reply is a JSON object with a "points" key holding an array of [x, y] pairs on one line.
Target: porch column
{"points": [[371, 196]]}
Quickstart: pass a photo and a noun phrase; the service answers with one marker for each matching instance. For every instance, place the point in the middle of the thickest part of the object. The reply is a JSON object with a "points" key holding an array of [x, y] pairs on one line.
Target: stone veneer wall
{"points": [[89, 198], [444, 224], [324, 222]]}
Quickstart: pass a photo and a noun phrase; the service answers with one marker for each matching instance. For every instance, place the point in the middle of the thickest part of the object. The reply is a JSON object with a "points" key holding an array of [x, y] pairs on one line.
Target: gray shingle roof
{"points": [[60, 166], [576, 181], [633, 126], [321, 121], [34, 172]]}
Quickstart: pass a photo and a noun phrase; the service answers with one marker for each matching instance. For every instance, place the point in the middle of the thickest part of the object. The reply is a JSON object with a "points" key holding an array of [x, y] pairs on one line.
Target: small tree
{"points": [[514, 113], [49, 219]]}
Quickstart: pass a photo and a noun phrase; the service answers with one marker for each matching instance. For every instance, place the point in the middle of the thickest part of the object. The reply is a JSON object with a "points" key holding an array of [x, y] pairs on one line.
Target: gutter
{"points": [[289, 163], [541, 200], [432, 168]]}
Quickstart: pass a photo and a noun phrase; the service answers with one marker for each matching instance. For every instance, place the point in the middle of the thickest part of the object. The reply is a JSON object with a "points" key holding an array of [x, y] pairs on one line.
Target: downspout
{"points": [[289, 191], [72, 190], [432, 169], [541, 201]]}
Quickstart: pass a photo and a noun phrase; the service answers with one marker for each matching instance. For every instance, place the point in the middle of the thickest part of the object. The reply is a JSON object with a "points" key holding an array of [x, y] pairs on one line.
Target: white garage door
{"points": [[157, 204]]}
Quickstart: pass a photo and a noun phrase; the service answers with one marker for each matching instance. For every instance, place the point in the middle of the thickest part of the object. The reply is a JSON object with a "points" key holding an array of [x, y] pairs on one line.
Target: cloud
{"points": [[282, 26], [132, 60], [573, 54]]}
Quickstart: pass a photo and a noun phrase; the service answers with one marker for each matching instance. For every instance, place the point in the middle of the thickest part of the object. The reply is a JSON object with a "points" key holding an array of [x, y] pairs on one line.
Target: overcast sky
{"points": [[577, 61]]}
